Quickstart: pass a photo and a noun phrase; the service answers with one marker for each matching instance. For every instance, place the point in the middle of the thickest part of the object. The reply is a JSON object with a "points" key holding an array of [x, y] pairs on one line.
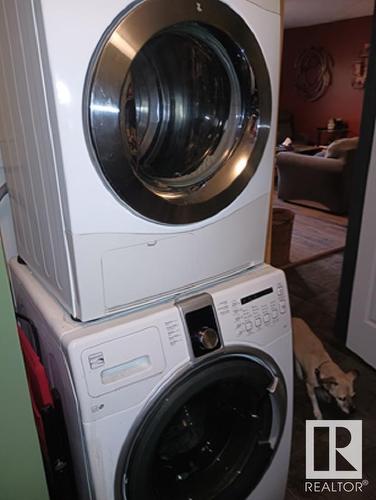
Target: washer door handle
{"points": [[273, 385]]}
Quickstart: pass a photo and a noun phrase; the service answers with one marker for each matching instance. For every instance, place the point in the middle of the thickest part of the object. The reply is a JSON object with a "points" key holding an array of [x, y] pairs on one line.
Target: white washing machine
{"points": [[191, 399], [138, 141]]}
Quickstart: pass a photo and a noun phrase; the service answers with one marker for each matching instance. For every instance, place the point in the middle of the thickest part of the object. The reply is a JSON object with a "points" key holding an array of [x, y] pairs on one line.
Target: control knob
{"points": [[206, 338]]}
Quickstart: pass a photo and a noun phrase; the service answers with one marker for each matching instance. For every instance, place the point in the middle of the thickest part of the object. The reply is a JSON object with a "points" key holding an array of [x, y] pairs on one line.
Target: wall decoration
{"points": [[360, 68], [313, 73]]}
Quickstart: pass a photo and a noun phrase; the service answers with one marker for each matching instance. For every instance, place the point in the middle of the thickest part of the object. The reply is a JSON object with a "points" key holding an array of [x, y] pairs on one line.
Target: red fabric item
{"points": [[39, 425], [38, 384]]}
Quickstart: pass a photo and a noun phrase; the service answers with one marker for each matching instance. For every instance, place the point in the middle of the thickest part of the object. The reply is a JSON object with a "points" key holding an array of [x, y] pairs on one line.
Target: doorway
{"points": [[321, 284]]}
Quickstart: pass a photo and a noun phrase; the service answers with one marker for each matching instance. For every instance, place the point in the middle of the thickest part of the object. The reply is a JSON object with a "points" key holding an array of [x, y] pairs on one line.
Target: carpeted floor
{"points": [[315, 233], [313, 294]]}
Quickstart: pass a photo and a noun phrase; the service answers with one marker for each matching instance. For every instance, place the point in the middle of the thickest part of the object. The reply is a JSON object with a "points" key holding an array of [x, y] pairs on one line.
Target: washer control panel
{"points": [[251, 313], [201, 324]]}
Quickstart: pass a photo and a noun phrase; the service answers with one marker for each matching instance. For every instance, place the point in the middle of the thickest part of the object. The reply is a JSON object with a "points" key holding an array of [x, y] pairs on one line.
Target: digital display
{"points": [[255, 296]]}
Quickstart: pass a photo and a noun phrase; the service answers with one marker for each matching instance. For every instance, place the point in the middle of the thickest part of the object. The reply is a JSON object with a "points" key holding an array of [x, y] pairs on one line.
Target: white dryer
{"points": [[138, 140], [191, 399]]}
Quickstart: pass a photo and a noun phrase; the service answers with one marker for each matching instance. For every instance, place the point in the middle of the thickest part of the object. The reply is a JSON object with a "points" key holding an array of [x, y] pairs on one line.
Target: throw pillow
{"points": [[340, 147]]}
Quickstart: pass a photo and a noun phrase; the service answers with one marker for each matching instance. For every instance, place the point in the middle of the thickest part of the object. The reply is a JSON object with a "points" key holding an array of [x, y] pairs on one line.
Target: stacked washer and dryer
{"points": [[138, 141]]}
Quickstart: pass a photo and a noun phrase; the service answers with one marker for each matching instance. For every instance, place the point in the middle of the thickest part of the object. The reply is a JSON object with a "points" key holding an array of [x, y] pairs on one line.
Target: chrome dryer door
{"points": [[177, 108]]}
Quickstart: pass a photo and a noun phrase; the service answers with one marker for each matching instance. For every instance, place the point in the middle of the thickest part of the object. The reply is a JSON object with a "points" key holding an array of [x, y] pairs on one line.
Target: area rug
{"points": [[316, 234]]}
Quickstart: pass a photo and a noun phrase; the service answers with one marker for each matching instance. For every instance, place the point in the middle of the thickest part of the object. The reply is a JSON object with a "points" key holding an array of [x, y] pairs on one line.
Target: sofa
{"points": [[321, 181]]}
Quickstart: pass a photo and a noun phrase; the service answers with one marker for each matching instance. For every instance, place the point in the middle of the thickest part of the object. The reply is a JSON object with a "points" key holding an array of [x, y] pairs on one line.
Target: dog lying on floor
{"points": [[314, 365]]}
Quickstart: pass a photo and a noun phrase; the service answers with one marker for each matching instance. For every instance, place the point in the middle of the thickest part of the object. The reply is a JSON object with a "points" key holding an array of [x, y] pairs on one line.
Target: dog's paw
{"points": [[318, 415]]}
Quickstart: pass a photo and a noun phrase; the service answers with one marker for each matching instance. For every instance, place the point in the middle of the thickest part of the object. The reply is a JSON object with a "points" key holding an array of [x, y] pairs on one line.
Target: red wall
{"points": [[343, 40]]}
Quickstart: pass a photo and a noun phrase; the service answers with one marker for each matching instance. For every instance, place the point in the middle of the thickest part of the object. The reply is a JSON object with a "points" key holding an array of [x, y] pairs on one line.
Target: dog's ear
{"points": [[353, 374], [328, 381]]}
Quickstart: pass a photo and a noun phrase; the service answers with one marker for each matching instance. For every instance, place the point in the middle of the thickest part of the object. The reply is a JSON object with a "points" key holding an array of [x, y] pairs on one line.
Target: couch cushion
{"points": [[340, 147]]}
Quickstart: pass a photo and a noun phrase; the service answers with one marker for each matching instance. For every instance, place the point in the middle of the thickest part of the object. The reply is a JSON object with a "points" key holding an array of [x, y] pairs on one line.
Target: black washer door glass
{"points": [[209, 439], [181, 108], [208, 442]]}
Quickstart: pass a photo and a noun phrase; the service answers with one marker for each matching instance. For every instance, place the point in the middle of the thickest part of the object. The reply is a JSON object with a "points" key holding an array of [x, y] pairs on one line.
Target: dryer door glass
{"points": [[178, 109], [212, 435], [182, 109]]}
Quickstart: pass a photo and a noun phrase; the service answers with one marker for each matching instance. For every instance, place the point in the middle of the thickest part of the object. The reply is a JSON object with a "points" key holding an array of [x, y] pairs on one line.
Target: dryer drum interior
{"points": [[211, 435], [177, 108]]}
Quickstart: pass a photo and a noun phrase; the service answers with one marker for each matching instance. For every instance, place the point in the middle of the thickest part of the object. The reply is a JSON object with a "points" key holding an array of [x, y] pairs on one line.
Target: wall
{"points": [[22, 475], [343, 40]]}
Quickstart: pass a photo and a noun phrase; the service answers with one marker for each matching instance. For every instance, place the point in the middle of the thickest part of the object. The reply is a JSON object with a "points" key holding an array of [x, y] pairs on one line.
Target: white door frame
{"points": [[361, 336]]}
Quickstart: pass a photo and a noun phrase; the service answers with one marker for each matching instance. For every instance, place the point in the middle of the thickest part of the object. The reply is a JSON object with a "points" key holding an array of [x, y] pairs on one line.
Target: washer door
{"points": [[211, 435], [178, 108]]}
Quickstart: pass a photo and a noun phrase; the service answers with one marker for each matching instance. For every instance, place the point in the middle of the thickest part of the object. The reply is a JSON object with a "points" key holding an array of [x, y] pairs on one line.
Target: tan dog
{"points": [[315, 366]]}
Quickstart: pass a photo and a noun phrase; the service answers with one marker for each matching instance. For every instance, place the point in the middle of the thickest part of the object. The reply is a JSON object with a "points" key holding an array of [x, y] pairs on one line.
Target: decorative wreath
{"points": [[313, 73]]}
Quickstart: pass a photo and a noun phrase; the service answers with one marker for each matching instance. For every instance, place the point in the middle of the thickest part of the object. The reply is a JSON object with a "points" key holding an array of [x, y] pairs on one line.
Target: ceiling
{"points": [[309, 12]]}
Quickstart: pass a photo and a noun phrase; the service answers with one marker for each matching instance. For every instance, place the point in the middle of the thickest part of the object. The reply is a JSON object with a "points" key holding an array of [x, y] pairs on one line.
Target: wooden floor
{"points": [[316, 233], [313, 295]]}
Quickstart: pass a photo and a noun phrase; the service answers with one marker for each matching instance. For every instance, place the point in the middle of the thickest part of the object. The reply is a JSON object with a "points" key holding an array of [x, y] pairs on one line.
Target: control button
{"points": [[274, 314], [282, 306], [258, 322], [266, 318], [96, 360], [279, 290], [249, 326]]}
